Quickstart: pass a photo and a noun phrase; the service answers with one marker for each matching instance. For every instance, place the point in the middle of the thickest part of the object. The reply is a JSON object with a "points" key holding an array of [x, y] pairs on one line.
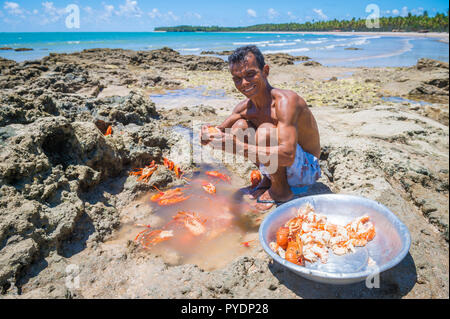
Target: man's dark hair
{"points": [[239, 55]]}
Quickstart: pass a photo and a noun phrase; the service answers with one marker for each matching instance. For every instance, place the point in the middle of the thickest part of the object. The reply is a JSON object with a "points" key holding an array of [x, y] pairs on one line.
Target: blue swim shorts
{"points": [[304, 171]]}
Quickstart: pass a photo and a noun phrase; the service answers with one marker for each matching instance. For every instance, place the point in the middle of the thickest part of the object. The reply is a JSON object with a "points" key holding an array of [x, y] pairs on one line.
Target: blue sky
{"points": [[140, 15]]}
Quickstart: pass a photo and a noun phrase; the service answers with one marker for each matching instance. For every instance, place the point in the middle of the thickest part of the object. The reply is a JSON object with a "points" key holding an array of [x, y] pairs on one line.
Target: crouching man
{"points": [[285, 144]]}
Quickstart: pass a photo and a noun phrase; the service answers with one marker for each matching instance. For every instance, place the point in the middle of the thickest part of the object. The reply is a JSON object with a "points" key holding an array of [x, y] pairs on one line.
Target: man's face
{"points": [[248, 78]]}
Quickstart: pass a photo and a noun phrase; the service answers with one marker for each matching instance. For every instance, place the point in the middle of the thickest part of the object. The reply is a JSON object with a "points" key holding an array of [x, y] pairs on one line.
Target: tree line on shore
{"points": [[409, 23]]}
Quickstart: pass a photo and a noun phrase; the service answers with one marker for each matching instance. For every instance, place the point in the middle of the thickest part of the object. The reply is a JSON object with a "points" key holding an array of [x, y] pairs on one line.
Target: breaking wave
{"points": [[188, 49], [407, 46], [288, 50], [281, 44]]}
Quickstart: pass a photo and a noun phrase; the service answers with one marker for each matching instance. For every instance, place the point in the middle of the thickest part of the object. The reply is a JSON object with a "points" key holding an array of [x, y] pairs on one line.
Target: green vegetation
{"points": [[438, 23]]}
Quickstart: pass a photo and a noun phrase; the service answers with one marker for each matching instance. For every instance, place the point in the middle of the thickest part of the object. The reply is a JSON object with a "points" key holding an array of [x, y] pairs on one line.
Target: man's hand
{"points": [[223, 141], [207, 133]]}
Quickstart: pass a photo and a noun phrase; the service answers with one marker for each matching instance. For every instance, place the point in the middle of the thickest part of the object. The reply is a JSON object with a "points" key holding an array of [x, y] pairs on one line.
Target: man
{"points": [[275, 114]]}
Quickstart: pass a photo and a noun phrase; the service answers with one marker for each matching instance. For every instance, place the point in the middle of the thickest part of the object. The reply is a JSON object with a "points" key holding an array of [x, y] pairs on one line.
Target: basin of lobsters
{"points": [[202, 221]]}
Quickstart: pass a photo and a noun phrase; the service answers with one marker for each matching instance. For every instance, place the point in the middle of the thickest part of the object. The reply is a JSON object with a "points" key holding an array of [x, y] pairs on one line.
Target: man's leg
{"points": [[279, 189], [239, 129]]}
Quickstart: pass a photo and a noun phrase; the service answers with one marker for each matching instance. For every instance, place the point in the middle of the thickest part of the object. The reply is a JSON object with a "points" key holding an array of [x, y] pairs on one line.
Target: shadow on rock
{"points": [[315, 189], [393, 283], [33, 271], [77, 241]]}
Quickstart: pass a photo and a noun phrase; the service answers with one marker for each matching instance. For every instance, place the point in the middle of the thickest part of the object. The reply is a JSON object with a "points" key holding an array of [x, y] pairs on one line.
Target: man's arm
{"points": [[236, 115], [287, 112]]}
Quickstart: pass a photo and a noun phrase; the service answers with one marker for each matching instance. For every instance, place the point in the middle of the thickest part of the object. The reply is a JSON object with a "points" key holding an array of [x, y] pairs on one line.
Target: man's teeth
{"points": [[249, 89]]}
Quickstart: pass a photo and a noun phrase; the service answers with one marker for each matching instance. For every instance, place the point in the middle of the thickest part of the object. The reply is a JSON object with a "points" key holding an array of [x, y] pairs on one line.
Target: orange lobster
{"points": [[209, 188], [165, 195], [255, 178], [146, 172], [168, 163], [171, 165], [108, 131], [217, 174], [149, 237], [213, 130], [173, 200], [177, 171], [169, 197], [191, 221], [247, 243]]}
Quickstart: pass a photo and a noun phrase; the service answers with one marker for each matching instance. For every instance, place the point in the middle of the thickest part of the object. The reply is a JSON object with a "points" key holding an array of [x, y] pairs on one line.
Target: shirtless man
{"points": [[274, 113]]}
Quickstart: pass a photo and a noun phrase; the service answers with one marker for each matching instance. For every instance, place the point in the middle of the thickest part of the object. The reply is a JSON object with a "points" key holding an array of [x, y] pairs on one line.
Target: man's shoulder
{"points": [[290, 97], [242, 106]]}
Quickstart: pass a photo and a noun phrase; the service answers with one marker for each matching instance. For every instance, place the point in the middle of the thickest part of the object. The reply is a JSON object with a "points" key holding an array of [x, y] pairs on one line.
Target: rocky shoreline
{"points": [[64, 185]]}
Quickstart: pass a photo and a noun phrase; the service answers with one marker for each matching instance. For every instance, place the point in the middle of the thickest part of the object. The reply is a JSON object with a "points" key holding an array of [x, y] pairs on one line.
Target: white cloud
{"points": [[272, 13], [172, 16], [129, 9], [404, 12], [13, 8], [53, 14], [108, 8], [192, 15], [108, 11], [154, 13], [35, 11], [251, 13], [320, 13], [418, 11], [88, 10], [291, 15], [395, 12]]}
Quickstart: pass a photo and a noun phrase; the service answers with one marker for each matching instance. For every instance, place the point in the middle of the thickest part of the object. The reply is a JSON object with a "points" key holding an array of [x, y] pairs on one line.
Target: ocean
{"points": [[374, 50]]}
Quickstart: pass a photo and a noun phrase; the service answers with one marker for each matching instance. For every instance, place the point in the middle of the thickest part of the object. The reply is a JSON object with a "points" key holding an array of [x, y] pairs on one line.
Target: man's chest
{"points": [[258, 117]]}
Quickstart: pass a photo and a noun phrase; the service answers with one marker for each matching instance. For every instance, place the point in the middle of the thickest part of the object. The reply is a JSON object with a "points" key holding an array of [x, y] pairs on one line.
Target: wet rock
{"points": [[133, 108], [23, 49], [427, 64], [225, 52], [5, 64], [204, 63], [150, 80], [437, 86], [283, 58], [311, 63], [13, 259]]}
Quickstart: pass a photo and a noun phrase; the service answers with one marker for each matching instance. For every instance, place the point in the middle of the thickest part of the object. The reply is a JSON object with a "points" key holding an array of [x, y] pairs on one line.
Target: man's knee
{"points": [[266, 135], [243, 131], [239, 124]]}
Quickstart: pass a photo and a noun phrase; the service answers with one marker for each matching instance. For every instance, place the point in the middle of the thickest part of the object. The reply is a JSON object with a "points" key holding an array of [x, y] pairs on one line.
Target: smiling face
{"points": [[248, 78]]}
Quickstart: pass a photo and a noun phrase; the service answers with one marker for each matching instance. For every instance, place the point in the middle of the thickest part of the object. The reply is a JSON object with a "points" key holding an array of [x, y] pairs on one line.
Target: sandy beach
{"points": [[67, 198], [402, 34], [441, 36]]}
